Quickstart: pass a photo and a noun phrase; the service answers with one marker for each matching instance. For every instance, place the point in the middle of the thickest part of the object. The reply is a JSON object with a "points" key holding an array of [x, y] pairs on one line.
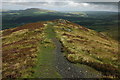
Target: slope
{"points": [[82, 45], [28, 51]]}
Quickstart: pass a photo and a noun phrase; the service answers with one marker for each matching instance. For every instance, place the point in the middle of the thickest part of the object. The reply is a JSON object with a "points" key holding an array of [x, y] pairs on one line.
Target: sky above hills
{"points": [[62, 5]]}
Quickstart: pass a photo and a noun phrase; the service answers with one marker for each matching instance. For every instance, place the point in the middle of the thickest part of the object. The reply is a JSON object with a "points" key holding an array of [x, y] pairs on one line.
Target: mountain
{"points": [[56, 49], [100, 21], [14, 18], [26, 12], [37, 9]]}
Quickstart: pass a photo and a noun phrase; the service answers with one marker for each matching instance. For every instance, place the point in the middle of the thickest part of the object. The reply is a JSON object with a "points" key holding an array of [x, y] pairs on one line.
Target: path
{"points": [[65, 68]]}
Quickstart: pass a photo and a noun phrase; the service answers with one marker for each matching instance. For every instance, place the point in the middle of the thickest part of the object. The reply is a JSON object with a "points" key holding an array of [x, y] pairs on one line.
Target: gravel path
{"points": [[67, 69]]}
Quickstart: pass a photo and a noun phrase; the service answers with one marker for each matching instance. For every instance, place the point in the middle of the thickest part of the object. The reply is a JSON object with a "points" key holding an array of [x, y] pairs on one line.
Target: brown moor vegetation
{"points": [[80, 45], [19, 46], [85, 46]]}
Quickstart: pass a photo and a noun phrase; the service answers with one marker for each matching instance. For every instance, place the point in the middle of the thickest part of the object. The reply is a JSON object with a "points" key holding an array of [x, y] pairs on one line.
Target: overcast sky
{"points": [[62, 5]]}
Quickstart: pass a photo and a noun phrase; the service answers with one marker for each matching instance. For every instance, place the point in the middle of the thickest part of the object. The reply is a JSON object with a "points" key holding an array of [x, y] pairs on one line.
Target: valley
{"points": [[99, 21]]}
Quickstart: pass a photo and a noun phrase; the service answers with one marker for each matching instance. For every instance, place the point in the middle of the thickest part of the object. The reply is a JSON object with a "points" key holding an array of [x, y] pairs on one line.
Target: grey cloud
{"points": [[105, 3], [63, 6], [112, 5], [95, 0], [61, 0]]}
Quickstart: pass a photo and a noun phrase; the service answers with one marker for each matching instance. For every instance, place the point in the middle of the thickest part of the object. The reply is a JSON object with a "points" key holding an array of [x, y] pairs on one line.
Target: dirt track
{"points": [[68, 69], [65, 68]]}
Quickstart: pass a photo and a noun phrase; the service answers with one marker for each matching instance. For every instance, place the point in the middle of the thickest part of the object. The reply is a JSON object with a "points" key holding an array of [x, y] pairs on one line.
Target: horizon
{"points": [[69, 5], [53, 10]]}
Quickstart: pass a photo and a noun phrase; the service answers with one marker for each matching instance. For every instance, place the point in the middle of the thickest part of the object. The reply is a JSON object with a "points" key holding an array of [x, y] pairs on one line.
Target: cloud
{"points": [[62, 5], [60, 0]]}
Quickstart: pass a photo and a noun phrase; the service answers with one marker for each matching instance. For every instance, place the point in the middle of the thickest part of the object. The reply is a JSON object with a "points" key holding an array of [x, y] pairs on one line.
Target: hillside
{"points": [[113, 33], [100, 21], [47, 49], [28, 11]]}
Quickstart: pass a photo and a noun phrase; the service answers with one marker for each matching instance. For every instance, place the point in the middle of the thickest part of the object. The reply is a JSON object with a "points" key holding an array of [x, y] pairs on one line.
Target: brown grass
{"points": [[19, 54]]}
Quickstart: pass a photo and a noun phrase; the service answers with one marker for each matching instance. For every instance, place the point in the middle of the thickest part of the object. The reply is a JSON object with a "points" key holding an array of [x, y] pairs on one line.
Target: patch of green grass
{"points": [[46, 57], [45, 65], [39, 12], [50, 31]]}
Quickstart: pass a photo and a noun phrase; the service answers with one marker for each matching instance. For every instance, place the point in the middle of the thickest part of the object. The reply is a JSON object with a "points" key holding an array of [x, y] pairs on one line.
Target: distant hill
{"points": [[37, 9], [27, 48], [13, 18], [100, 21], [113, 33], [29, 11]]}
